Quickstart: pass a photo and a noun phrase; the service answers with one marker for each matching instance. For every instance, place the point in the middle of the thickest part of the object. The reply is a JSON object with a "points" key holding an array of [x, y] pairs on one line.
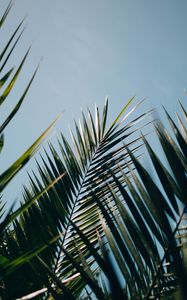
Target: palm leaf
{"points": [[85, 170]]}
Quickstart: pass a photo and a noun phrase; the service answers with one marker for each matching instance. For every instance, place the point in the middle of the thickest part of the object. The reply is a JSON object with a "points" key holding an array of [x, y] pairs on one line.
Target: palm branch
{"points": [[126, 228], [145, 253], [69, 202]]}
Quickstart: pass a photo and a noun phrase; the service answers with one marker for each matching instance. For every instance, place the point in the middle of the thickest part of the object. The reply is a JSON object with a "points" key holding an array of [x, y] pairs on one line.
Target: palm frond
{"points": [[135, 218], [99, 154]]}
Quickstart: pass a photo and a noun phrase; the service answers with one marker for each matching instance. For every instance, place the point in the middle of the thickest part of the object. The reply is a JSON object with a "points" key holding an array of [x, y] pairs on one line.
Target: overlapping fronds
{"points": [[143, 251], [94, 223], [95, 156], [122, 227]]}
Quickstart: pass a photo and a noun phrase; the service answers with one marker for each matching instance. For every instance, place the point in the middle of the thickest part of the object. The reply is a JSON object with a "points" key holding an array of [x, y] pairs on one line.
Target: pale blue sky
{"points": [[90, 50]]}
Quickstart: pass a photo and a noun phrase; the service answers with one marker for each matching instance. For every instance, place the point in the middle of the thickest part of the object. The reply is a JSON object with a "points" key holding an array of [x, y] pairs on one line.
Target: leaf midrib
{"points": [[76, 200]]}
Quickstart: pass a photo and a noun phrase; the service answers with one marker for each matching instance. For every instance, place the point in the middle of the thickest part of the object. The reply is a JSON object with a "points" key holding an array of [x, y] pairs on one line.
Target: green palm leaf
{"points": [[86, 169]]}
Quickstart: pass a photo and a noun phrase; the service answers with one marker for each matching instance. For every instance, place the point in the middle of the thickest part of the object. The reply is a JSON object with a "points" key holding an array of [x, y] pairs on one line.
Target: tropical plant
{"points": [[17, 227], [68, 202], [94, 224], [116, 223]]}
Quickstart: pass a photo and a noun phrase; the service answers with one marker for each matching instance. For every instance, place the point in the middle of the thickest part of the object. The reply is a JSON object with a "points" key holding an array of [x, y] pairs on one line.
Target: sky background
{"points": [[90, 50]]}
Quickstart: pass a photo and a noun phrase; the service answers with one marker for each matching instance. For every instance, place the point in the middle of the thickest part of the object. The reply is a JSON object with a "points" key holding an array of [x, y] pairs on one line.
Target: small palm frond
{"points": [[8, 80]]}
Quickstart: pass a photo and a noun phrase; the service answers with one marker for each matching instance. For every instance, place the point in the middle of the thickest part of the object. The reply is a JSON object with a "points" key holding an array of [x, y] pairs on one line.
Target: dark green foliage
{"points": [[94, 223], [109, 217]]}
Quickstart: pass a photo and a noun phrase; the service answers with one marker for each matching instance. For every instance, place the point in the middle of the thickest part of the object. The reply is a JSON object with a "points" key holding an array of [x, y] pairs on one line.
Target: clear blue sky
{"points": [[90, 50]]}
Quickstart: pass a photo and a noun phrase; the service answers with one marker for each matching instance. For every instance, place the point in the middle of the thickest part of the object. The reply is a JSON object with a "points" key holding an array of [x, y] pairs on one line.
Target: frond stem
{"points": [[75, 203]]}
